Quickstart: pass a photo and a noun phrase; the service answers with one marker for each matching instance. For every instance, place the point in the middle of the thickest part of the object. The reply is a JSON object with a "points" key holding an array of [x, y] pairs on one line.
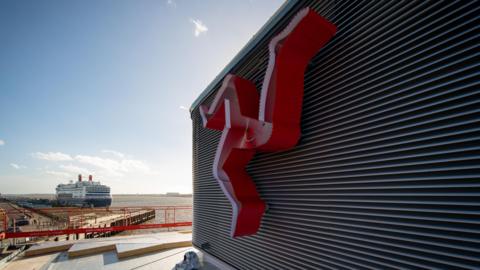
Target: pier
{"points": [[77, 223]]}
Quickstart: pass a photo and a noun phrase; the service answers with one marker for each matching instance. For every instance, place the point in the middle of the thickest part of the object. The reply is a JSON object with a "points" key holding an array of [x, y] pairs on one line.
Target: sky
{"points": [[103, 87]]}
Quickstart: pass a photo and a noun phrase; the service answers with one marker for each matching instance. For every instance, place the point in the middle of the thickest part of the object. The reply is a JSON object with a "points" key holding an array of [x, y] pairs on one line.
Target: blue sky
{"points": [[103, 87]]}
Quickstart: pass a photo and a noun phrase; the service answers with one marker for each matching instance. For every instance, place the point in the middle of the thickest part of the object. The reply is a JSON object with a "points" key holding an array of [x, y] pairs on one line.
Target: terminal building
{"points": [[386, 173]]}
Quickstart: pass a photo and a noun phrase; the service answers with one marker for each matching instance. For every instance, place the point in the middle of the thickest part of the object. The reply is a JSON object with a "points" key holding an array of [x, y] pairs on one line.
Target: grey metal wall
{"points": [[387, 173]]}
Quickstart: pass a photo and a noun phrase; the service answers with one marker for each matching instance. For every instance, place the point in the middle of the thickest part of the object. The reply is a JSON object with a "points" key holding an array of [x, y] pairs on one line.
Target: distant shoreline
{"points": [[118, 200], [51, 196]]}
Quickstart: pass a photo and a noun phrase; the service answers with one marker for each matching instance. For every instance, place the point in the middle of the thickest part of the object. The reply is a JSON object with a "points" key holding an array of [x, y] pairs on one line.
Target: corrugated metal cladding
{"points": [[387, 173]]}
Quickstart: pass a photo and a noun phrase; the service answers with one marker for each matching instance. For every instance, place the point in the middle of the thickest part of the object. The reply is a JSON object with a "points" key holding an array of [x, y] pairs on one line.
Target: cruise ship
{"points": [[84, 193]]}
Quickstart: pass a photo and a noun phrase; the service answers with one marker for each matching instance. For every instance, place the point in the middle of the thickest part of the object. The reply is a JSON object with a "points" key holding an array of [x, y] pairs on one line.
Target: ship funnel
{"points": [[79, 178], [90, 178]]}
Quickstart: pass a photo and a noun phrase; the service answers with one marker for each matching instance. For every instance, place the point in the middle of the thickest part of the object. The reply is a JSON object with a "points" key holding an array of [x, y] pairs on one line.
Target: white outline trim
{"points": [[271, 59]]}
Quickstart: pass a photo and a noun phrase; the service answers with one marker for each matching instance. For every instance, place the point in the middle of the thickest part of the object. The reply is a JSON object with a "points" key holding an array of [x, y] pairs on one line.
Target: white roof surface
{"points": [[158, 260]]}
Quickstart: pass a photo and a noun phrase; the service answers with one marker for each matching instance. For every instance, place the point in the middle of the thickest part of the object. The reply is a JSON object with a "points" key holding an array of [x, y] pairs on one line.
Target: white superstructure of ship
{"points": [[84, 193]]}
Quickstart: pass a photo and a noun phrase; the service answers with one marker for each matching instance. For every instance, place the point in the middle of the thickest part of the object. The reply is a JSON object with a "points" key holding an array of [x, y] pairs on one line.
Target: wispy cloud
{"points": [[172, 3], [52, 156], [74, 169], [115, 153], [199, 27], [68, 171], [59, 174], [115, 167], [102, 163], [2, 142], [17, 167], [181, 107]]}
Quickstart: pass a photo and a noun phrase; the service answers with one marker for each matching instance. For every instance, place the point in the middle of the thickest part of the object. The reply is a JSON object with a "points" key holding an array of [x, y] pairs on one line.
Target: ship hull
{"points": [[100, 202]]}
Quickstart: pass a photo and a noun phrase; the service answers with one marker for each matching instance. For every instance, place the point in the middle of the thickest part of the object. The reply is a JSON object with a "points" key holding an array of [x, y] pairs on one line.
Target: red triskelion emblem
{"points": [[269, 122]]}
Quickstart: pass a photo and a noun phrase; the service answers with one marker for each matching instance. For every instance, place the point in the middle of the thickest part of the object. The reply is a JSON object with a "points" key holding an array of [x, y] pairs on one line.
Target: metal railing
{"points": [[92, 221], [4, 261]]}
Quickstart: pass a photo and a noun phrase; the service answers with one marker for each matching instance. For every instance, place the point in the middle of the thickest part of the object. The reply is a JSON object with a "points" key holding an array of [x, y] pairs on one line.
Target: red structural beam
{"points": [[102, 209], [95, 230]]}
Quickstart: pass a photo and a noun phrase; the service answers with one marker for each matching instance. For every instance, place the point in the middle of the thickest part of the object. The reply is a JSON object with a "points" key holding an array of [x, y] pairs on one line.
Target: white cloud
{"points": [[172, 3], [199, 27], [181, 107], [114, 167], [103, 163], [115, 153], [74, 169], [51, 156], [2, 142], [17, 167], [59, 174], [132, 165]]}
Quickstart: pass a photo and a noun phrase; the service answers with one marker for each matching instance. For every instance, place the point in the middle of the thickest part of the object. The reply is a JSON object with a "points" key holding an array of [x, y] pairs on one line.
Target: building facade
{"points": [[387, 171]]}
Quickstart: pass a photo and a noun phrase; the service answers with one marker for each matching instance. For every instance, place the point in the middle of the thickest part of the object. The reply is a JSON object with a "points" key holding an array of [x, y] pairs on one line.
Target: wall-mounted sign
{"points": [[267, 122]]}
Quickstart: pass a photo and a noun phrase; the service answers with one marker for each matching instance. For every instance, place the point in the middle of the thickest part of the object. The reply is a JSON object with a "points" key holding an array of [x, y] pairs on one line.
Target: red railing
{"points": [[71, 220], [3, 223], [95, 230]]}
